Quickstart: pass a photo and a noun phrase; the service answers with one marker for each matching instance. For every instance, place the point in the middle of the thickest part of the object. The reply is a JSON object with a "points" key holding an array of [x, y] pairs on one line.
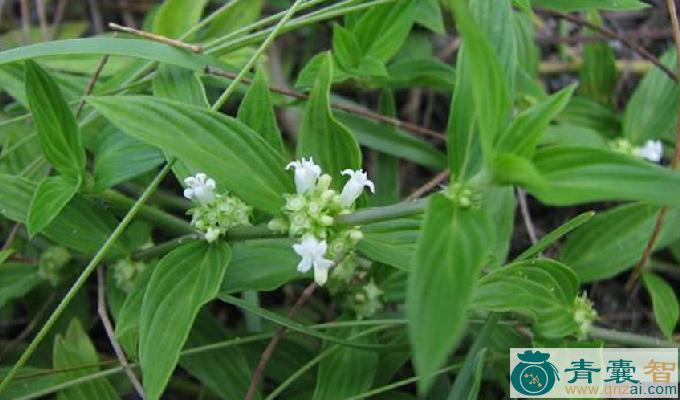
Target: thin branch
{"points": [[108, 327], [616, 36], [25, 21], [158, 38], [92, 83], [211, 70], [429, 185], [271, 346], [651, 243], [526, 215], [10, 237]]}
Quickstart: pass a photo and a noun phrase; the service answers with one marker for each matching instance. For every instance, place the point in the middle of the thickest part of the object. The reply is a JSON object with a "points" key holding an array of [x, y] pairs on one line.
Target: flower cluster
{"points": [[353, 284], [584, 315], [310, 213], [52, 261], [214, 214], [125, 271], [651, 151]]}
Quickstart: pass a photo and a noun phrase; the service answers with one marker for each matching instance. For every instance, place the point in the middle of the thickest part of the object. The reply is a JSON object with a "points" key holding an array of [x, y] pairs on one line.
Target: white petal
{"points": [[305, 264], [189, 193], [320, 276]]}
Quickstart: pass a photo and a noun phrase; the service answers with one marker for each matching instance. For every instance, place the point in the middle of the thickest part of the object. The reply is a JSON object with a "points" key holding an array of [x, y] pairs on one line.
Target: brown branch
{"points": [[271, 346], [649, 248], [58, 17], [344, 107], [42, 18], [526, 215], [158, 38], [108, 327], [614, 35], [429, 185], [92, 83]]}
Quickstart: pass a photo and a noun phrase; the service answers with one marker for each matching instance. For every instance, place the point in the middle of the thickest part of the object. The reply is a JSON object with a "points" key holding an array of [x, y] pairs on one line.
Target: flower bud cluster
{"points": [[125, 271], [310, 214], [52, 261], [214, 214], [584, 315], [463, 196], [353, 285]]}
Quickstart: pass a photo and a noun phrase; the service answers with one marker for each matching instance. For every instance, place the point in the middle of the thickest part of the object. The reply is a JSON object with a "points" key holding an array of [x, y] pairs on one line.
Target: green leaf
{"points": [[207, 141], [526, 129], [55, 124], [346, 49], [489, 87], [346, 371], [391, 242], [175, 17], [614, 240], [321, 136], [121, 157], [17, 280], [467, 380], [138, 48], [392, 141], [82, 225], [584, 112], [75, 349], [4, 255], [651, 111], [382, 30], [543, 289], [239, 13], [574, 175], [298, 327], [427, 72], [257, 111], [127, 324], [261, 264], [180, 84], [184, 280], [51, 196], [664, 303], [582, 5], [598, 76], [428, 13], [554, 235], [450, 253], [224, 371]]}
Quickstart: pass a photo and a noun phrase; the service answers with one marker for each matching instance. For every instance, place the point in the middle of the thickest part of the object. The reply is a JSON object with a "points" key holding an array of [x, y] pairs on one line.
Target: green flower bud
{"points": [[51, 263]]}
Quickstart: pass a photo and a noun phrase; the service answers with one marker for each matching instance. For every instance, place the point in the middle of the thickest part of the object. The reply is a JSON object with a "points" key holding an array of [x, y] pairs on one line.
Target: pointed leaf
{"points": [[207, 141], [175, 17], [450, 253], [55, 124], [257, 111], [321, 136], [181, 284], [51, 196], [664, 303], [73, 351]]}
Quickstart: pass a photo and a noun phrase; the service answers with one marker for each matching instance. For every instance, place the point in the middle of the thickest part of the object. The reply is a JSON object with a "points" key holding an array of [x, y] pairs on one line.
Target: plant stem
{"points": [[83, 277], [173, 224], [263, 47], [630, 339]]}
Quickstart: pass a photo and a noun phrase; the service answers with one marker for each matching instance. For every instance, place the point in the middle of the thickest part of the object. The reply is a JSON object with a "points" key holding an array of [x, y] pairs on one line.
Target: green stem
{"points": [[83, 277], [260, 23], [378, 214], [630, 339], [263, 47], [173, 224], [333, 11], [161, 249]]}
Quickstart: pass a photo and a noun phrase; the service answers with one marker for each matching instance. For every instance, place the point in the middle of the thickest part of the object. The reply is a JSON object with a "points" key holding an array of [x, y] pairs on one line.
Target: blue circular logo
{"points": [[534, 375]]}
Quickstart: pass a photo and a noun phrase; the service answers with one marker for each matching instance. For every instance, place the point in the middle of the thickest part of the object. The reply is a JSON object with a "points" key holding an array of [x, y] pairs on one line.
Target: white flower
{"points": [[652, 151], [200, 187], [355, 185], [212, 234], [312, 252], [306, 174]]}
